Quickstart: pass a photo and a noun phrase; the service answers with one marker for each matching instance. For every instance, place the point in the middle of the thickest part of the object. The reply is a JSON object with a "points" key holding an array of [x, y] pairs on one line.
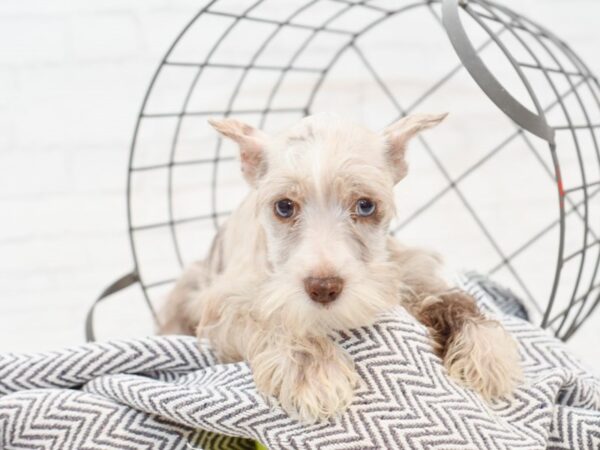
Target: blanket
{"points": [[171, 393]]}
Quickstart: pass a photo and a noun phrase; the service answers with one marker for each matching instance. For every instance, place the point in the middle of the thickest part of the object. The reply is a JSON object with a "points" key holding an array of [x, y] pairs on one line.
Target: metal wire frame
{"points": [[539, 34], [481, 12]]}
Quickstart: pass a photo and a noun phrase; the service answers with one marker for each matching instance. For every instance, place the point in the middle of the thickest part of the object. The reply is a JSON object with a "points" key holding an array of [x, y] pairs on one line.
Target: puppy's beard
{"points": [[369, 291]]}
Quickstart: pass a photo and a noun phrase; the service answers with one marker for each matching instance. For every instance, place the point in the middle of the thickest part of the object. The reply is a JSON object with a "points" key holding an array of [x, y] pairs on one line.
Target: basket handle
{"points": [[467, 54], [118, 285]]}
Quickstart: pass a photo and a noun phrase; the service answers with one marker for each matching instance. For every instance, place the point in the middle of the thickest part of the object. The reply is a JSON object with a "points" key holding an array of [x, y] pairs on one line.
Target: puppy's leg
{"points": [[180, 313], [183, 309], [476, 351], [312, 378]]}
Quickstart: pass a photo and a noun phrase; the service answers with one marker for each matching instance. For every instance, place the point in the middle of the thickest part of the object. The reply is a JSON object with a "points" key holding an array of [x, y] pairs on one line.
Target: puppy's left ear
{"points": [[251, 142], [399, 133]]}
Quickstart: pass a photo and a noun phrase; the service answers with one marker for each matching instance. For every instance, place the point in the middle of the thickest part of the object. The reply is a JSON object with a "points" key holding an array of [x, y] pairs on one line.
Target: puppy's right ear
{"points": [[251, 142]]}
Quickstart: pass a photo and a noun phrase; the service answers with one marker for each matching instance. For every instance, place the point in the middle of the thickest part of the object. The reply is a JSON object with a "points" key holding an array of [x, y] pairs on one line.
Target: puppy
{"points": [[308, 252]]}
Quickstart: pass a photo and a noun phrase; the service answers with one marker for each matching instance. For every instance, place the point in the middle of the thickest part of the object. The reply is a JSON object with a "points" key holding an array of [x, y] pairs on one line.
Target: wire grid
{"points": [[313, 37]]}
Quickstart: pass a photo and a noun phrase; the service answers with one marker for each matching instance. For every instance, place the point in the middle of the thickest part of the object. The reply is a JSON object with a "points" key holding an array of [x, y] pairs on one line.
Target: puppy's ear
{"points": [[251, 142], [399, 133]]}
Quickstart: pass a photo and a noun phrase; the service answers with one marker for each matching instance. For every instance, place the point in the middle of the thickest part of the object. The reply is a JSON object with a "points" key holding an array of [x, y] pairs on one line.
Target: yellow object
{"points": [[259, 446]]}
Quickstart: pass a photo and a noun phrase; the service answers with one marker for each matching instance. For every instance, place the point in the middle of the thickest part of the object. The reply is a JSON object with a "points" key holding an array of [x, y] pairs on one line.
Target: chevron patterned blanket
{"points": [[170, 393]]}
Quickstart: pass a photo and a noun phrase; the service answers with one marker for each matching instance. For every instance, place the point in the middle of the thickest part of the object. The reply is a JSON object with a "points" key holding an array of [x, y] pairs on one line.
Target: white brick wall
{"points": [[72, 76]]}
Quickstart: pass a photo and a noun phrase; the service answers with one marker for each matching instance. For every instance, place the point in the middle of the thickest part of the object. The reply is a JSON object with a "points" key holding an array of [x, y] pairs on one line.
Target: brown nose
{"points": [[323, 290]]}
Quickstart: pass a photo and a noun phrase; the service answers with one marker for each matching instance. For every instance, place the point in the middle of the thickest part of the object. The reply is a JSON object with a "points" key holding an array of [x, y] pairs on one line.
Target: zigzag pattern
{"points": [[74, 367], [157, 393], [73, 420]]}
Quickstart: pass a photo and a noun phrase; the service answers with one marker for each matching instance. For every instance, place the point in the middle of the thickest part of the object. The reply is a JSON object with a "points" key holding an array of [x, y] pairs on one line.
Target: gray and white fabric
{"points": [[170, 393]]}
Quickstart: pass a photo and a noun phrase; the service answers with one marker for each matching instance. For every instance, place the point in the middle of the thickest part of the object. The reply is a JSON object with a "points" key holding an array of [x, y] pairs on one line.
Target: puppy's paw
{"points": [[484, 357], [309, 386], [323, 390]]}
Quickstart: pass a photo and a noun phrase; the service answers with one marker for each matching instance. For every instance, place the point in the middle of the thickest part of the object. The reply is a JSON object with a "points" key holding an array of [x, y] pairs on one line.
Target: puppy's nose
{"points": [[323, 290]]}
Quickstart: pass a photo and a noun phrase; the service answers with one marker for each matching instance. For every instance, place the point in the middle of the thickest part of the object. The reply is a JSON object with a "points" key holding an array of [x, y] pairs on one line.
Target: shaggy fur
{"points": [[250, 296]]}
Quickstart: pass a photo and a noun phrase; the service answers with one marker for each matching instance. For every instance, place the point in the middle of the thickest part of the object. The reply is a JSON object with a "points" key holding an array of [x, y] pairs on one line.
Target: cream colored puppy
{"points": [[309, 252]]}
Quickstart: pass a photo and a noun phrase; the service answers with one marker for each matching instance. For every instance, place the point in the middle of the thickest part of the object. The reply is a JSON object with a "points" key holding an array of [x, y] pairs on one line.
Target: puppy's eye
{"points": [[285, 208], [365, 207]]}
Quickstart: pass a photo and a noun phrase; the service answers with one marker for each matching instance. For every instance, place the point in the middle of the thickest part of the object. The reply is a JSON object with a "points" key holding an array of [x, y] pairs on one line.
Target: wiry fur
{"points": [[248, 296], [484, 357]]}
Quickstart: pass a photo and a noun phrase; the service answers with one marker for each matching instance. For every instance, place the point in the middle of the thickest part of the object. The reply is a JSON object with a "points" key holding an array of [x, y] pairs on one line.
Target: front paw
{"points": [[484, 357], [321, 393], [308, 386]]}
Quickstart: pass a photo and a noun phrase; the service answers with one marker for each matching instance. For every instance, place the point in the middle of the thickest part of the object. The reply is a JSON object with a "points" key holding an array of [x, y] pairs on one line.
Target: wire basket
{"points": [[507, 186]]}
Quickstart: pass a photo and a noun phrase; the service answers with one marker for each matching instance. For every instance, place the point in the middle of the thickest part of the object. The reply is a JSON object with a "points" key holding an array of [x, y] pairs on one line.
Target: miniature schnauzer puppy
{"points": [[309, 251]]}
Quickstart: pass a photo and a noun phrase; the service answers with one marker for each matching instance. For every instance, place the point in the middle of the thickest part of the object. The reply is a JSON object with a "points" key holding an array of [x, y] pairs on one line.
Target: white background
{"points": [[72, 76]]}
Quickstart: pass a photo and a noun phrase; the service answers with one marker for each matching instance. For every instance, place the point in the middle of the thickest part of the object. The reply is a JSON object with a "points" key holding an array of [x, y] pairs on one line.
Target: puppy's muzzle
{"points": [[323, 290]]}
